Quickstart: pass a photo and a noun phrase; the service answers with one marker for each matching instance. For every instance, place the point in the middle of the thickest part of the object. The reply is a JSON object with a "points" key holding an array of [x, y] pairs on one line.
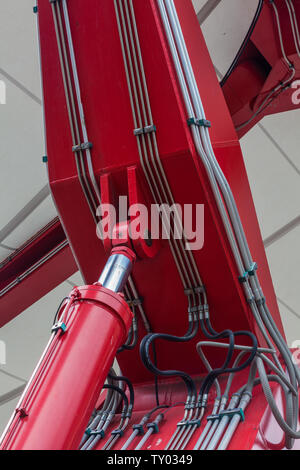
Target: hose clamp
{"points": [[251, 272], [135, 302], [199, 122], [213, 418], [60, 326], [182, 424], [81, 147], [194, 422], [144, 130], [89, 432], [232, 413], [139, 428], [118, 432], [154, 427]]}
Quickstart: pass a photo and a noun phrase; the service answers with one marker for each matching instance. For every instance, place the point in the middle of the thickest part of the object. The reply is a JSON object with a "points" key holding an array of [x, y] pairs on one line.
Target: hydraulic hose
{"points": [[234, 229], [145, 355]]}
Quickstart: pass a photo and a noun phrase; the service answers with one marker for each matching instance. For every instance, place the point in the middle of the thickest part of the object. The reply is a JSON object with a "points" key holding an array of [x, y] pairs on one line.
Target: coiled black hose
{"points": [[210, 333], [145, 356]]}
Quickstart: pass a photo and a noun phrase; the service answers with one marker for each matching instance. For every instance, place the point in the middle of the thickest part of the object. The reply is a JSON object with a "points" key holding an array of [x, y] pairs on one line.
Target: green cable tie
{"points": [[232, 413], [253, 269], [213, 418], [59, 326], [244, 277], [199, 122], [153, 426]]}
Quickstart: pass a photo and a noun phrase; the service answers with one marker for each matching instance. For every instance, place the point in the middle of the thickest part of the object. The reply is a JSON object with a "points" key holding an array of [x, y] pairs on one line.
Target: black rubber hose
{"points": [[210, 333], [59, 309], [149, 339], [144, 351], [130, 388], [120, 391], [131, 342], [211, 377]]}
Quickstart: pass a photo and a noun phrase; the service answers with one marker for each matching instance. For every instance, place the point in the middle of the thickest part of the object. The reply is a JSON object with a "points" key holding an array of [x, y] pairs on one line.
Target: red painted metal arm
{"points": [[253, 89], [35, 269]]}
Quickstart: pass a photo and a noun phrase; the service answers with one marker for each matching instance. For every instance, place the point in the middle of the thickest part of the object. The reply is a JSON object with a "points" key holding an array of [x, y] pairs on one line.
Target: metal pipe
{"points": [[150, 431], [234, 424], [135, 433], [115, 274], [79, 101]]}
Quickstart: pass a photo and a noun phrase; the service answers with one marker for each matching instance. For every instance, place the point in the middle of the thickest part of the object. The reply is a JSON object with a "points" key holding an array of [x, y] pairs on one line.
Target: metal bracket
{"points": [[213, 418], [244, 278], [201, 312], [182, 424], [81, 147], [253, 269], [22, 412], [89, 432], [59, 326], [261, 301], [232, 413], [144, 130], [200, 290], [118, 432], [153, 426], [188, 292], [246, 274], [195, 422], [193, 309], [139, 428], [228, 413], [199, 122]]}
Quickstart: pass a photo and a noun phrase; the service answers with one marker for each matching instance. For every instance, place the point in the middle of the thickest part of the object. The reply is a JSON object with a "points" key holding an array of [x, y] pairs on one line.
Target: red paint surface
{"points": [[110, 128], [58, 408], [44, 262]]}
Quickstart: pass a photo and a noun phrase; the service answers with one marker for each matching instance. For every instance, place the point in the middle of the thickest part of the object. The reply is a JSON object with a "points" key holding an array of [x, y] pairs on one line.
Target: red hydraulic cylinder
{"points": [[61, 396]]}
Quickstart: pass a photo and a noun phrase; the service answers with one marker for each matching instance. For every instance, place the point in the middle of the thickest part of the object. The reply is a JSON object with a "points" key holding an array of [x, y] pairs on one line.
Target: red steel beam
{"points": [[261, 69], [39, 266]]}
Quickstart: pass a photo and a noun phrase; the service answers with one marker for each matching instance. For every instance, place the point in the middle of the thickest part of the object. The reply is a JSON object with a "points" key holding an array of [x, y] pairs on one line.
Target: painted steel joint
{"points": [[120, 234], [143, 246]]}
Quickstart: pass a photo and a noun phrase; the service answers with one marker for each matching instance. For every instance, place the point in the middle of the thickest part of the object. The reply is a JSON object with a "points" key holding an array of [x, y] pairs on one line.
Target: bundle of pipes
{"points": [[188, 271], [246, 267], [198, 310], [78, 128]]}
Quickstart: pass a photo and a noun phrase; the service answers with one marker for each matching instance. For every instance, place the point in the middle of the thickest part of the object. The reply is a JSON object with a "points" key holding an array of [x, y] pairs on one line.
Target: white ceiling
{"points": [[271, 153]]}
